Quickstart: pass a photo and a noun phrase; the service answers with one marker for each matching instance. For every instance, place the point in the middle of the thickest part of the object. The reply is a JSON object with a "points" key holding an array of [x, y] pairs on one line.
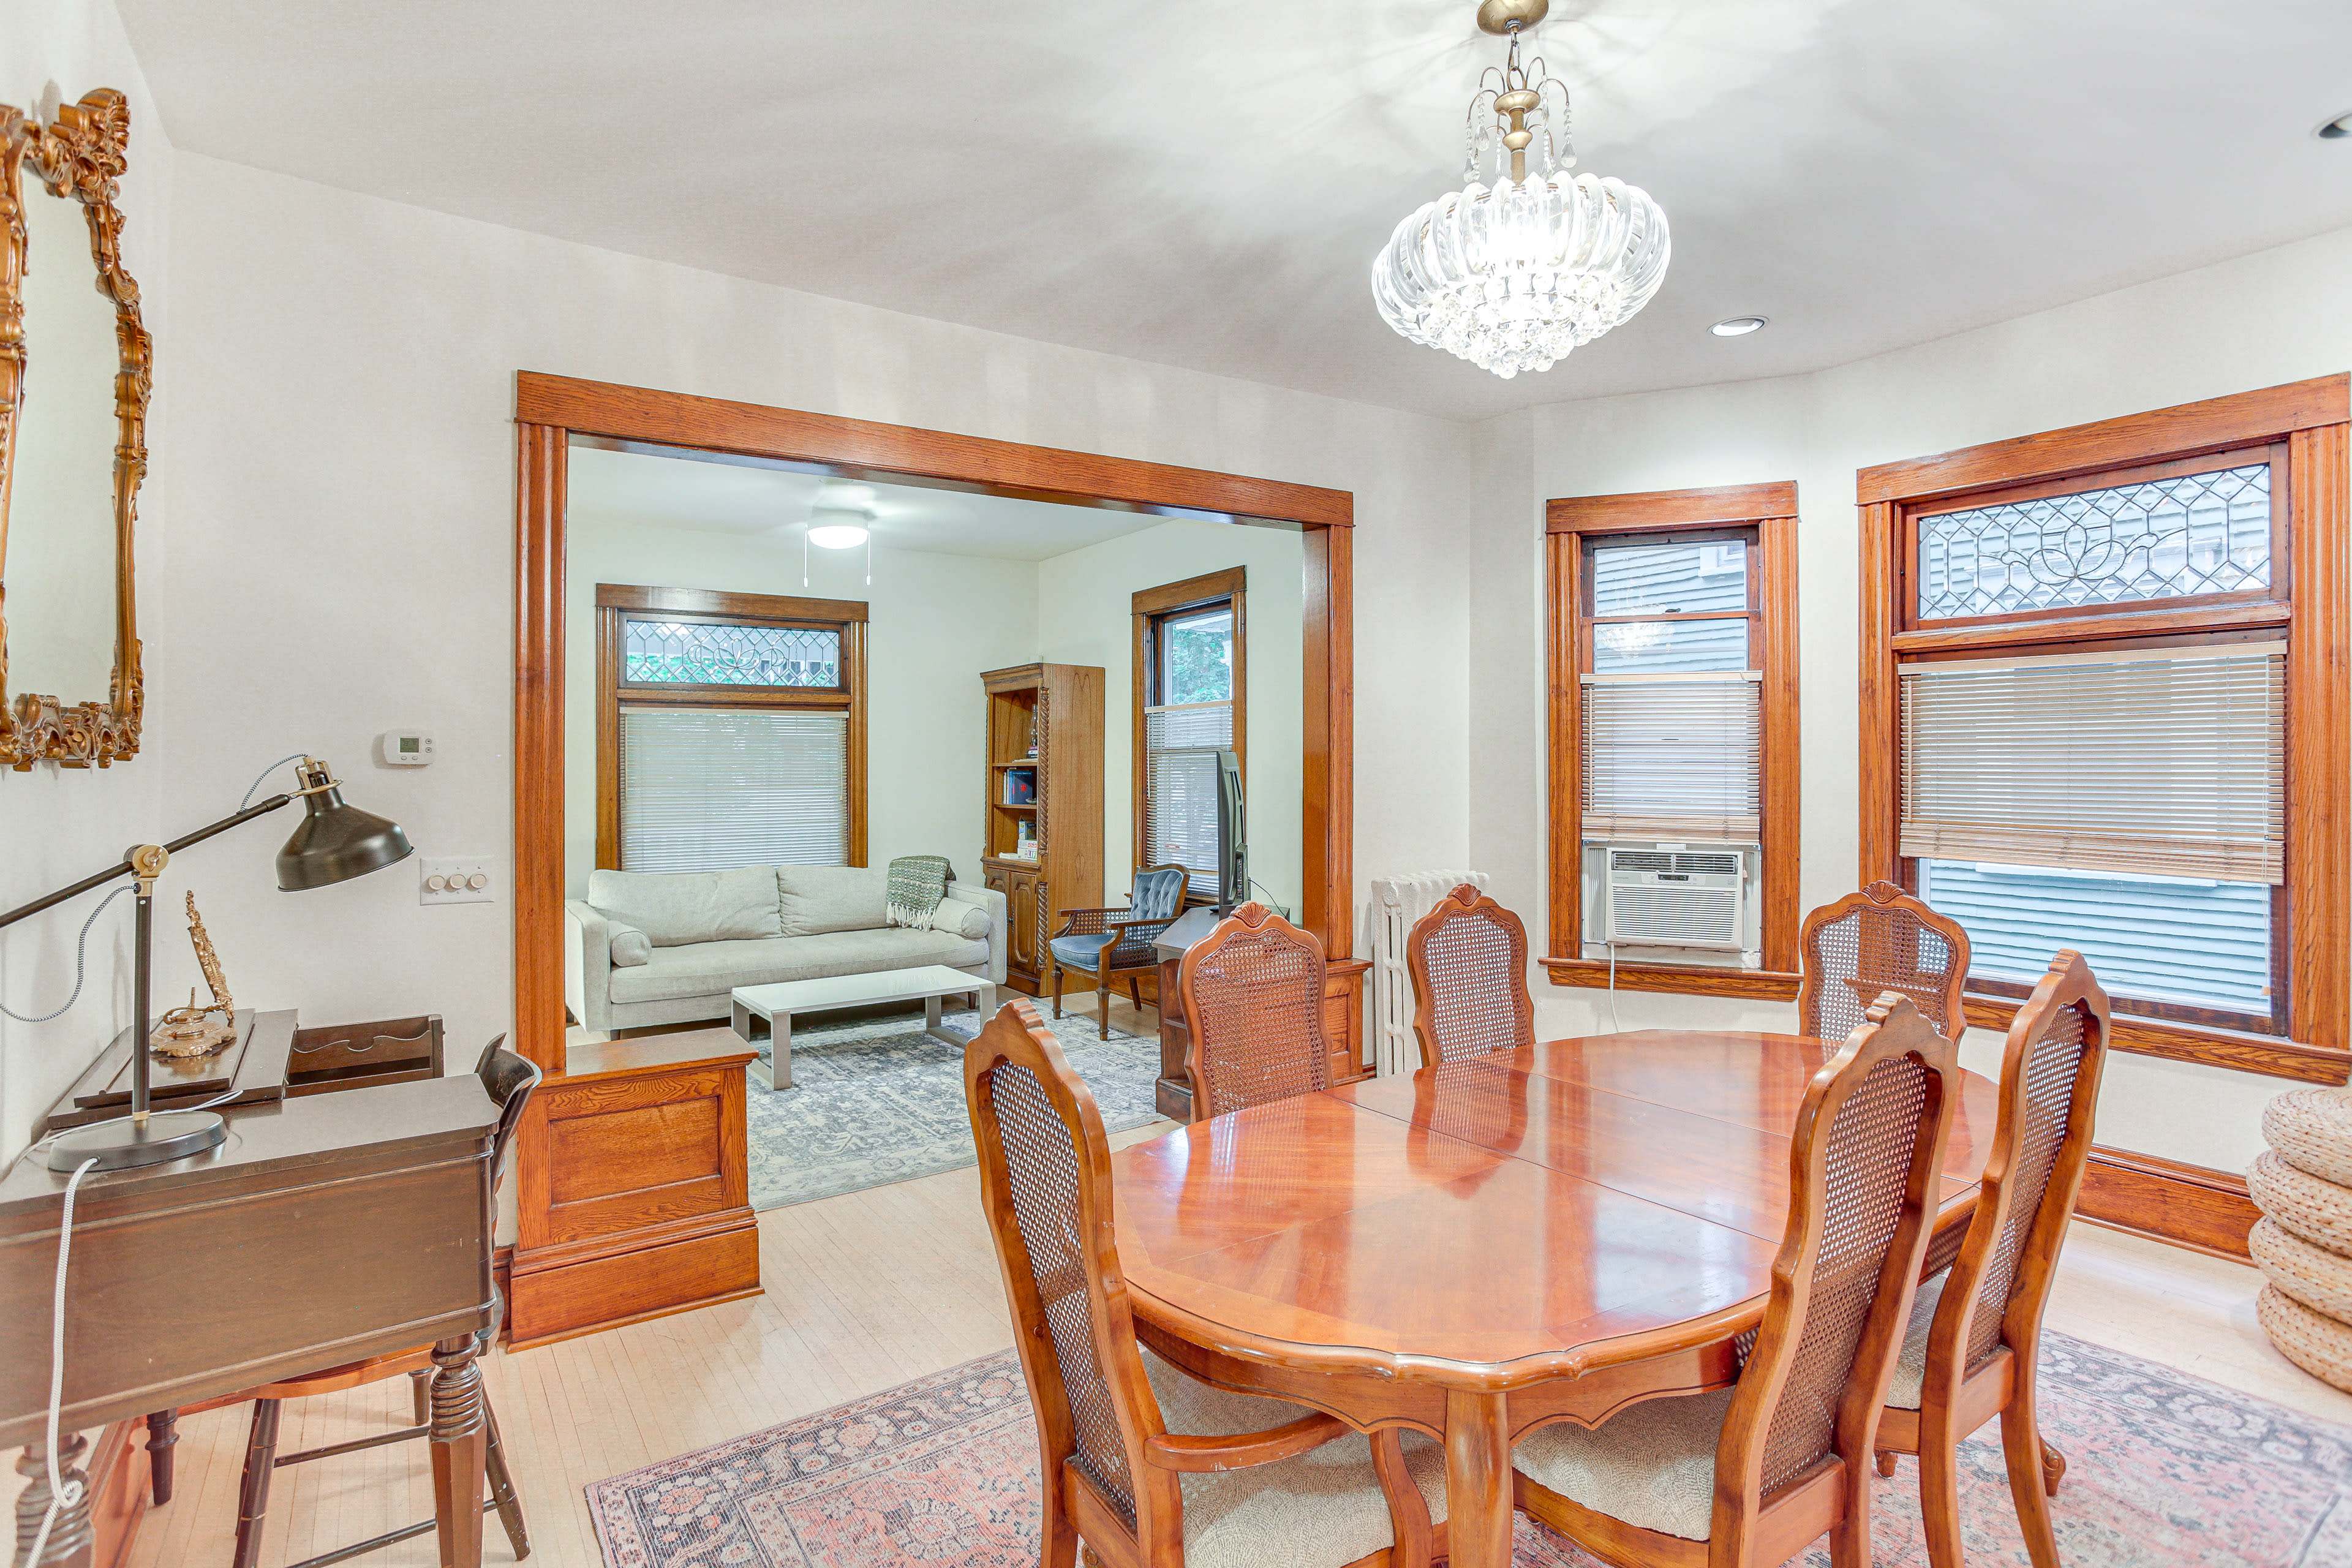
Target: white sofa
{"points": [[668, 947]]}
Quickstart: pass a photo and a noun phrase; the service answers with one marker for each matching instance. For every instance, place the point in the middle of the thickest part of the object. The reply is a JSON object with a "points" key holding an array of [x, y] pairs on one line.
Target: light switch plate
{"points": [[455, 875]]}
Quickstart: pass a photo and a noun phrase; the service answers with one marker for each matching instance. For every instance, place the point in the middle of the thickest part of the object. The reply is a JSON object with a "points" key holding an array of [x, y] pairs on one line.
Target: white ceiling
{"points": [[609, 489], [1204, 183]]}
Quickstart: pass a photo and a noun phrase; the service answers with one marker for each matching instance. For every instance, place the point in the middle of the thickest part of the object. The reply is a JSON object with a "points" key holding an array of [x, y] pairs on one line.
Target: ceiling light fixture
{"points": [[1738, 326], [2339, 127], [833, 526], [1524, 263]]}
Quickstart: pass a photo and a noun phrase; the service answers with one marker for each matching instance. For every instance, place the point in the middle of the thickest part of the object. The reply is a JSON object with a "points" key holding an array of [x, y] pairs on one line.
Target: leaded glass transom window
{"points": [[2177, 538], [720, 653]]}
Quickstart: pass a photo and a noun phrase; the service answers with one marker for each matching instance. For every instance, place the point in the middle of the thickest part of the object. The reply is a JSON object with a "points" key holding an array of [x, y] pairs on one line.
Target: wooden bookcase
{"points": [[1058, 710]]}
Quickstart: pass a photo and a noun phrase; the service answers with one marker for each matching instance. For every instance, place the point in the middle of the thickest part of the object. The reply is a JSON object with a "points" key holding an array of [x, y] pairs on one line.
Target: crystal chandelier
{"points": [[1524, 262]]}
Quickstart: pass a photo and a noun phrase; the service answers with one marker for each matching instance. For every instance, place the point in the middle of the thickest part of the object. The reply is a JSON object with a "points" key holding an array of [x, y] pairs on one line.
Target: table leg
{"points": [[162, 1435], [1478, 1479], [460, 1448], [780, 1048], [70, 1538]]}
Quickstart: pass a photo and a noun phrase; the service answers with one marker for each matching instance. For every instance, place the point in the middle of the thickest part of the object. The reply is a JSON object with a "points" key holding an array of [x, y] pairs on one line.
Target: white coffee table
{"points": [[775, 1007]]}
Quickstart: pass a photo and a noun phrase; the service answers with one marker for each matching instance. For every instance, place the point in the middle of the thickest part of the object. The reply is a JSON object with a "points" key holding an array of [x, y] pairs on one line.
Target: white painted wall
{"points": [[2278, 316], [1086, 615], [935, 622], [57, 827]]}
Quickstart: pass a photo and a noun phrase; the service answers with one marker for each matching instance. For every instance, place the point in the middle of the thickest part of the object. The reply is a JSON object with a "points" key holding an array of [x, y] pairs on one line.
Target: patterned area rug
{"points": [[877, 1101], [2164, 1470]]}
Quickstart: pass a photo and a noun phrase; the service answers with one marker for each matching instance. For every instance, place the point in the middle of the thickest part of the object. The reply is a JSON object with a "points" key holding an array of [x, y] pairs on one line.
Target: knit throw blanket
{"points": [[917, 883]]}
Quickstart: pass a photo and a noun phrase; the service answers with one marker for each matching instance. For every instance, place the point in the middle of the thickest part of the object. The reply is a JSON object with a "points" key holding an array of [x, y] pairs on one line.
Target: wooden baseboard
{"points": [[2188, 1205]]}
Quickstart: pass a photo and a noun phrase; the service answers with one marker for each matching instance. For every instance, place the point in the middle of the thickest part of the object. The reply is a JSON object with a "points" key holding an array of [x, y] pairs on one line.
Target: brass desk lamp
{"points": [[334, 843]]}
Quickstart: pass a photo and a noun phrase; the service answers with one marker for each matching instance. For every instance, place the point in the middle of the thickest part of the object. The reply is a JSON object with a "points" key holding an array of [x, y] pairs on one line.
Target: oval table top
{"points": [[1495, 1221]]}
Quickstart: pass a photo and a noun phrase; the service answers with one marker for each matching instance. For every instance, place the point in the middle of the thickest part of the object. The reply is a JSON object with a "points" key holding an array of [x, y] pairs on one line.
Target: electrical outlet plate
{"points": [[457, 876]]}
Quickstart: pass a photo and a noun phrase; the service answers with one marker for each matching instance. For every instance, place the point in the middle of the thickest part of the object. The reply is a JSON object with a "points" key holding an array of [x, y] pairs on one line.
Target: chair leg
{"points": [[1850, 1536], [253, 1491], [502, 1491], [1940, 1497], [2053, 1467], [2020, 1442], [1102, 1003], [1885, 1461], [420, 1396], [1135, 990], [1057, 992]]}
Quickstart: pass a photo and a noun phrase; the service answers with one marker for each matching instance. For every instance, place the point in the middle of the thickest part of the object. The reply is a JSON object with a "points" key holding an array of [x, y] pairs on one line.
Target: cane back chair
{"points": [[1108, 943], [1975, 1331], [1254, 1004], [1879, 939], [1149, 1468], [1468, 958], [508, 1079], [1748, 1476]]}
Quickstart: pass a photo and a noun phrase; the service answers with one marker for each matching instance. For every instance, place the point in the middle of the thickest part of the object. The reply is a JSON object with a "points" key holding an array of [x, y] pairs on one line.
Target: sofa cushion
{"points": [[816, 900], [959, 918], [715, 968], [675, 907], [630, 946]]}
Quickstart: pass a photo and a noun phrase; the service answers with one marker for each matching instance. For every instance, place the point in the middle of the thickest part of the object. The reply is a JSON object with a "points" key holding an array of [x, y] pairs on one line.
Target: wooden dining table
{"points": [[1490, 1245]]}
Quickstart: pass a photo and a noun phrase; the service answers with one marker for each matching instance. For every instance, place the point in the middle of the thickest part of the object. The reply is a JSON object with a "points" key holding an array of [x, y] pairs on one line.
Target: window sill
{"points": [[1690, 979], [2266, 1054]]}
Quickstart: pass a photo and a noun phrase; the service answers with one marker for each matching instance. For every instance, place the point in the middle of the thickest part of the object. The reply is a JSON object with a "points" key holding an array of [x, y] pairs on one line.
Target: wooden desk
{"points": [[1343, 1013], [325, 1230], [1490, 1245]]}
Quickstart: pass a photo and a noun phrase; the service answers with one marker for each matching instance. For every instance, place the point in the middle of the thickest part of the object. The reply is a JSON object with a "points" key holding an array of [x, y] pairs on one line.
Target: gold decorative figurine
{"points": [[193, 1031]]}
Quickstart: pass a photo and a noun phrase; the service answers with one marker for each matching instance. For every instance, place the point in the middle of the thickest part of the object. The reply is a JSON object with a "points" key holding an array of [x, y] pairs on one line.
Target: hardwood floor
{"points": [[870, 1290]]}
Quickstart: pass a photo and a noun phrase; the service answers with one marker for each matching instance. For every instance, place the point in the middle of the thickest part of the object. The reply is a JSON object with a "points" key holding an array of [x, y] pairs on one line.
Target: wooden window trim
{"points": [[1148, 608], [1771, 511], [2313, 421], [617, 602]]}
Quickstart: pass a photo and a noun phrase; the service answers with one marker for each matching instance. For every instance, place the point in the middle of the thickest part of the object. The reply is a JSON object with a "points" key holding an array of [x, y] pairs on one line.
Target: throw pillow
{"points": [[631, 947], [957, 917]]}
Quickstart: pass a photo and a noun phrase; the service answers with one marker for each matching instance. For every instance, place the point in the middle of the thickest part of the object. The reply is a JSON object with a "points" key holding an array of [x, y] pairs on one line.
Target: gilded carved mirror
{"points": [[75, 375]]}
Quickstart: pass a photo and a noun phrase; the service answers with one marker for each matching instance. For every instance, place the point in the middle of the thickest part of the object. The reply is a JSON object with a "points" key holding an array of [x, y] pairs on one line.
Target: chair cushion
{"points": [[1651, 1466], [630, 946], [673, 908], [1078, 951], [1154, 898], [1320, 1510], [816, 900], [715, 968], [1911, 1363]]}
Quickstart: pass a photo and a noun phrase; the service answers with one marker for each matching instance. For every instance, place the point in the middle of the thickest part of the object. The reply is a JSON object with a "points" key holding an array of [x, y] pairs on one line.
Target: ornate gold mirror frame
{"points": [[78, 156]]}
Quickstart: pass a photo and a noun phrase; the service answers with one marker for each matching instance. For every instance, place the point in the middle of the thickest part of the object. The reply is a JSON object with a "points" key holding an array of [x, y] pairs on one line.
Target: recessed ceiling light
{"points": [[2340, 126], [1738, 326], [837, 528]]}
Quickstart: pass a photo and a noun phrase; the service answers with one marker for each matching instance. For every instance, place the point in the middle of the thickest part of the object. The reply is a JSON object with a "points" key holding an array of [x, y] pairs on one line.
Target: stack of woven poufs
{"points": [[2304, 1242]]}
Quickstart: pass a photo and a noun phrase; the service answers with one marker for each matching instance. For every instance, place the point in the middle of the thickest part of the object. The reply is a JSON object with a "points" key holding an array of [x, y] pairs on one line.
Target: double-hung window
{"points": [[730, 730], [2083, 694], [1190, 703], [1674, 805]]}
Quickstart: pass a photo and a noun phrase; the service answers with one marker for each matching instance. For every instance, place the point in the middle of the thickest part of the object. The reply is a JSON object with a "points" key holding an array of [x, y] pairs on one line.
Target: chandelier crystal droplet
{"points": [[1526, 261]]}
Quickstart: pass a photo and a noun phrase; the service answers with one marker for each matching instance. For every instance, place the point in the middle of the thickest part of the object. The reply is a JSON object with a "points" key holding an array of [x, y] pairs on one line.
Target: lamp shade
{"points": [[335, 841]]}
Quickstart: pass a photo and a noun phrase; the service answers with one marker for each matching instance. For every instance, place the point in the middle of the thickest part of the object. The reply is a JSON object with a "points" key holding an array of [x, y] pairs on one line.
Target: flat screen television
{"points": [[1233, 843]]}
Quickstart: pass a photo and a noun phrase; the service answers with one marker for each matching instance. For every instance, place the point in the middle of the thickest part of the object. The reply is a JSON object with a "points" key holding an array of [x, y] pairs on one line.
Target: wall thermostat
{"points": [[406, 748]]}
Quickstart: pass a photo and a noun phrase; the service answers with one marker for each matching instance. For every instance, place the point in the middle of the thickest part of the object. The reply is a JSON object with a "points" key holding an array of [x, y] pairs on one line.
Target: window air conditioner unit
{"points": [[1676, 897]]}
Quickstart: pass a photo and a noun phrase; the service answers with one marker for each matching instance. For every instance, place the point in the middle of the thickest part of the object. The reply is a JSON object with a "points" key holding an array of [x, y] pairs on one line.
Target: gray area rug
{"points": [[877, 1101]]}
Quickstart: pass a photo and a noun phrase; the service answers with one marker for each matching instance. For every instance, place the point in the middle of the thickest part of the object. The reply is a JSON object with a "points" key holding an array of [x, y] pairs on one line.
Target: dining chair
{"points": [[1143, 1463], [1252, 992], [1976, 1330], [1750, 1475], [1107, 943], [508, 1079], [1468, 958], [1879, 939]]}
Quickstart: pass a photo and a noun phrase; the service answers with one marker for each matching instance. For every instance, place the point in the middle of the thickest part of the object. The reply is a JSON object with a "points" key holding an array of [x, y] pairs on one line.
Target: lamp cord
{"points": [[59, 1497], [81, 943], [265, 777]]}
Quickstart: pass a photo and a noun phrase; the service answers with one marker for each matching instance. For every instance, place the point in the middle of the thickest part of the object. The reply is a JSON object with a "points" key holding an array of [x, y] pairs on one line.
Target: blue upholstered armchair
{"points": [[1108, 943]]}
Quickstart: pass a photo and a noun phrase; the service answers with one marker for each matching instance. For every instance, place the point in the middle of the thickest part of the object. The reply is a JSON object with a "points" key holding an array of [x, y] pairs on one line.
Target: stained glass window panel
{"points": [[2155, 539], [705, 653]]}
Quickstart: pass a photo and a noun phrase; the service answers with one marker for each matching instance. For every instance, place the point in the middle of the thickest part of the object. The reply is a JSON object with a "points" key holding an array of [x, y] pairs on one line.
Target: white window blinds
{"points": [[1671, 756], [2171, 761], [1179, 792], [710, 789]]}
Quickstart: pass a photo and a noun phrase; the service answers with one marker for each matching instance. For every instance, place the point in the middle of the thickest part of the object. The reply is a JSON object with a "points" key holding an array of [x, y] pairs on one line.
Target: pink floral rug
{"points": [[2164, 1470]]}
